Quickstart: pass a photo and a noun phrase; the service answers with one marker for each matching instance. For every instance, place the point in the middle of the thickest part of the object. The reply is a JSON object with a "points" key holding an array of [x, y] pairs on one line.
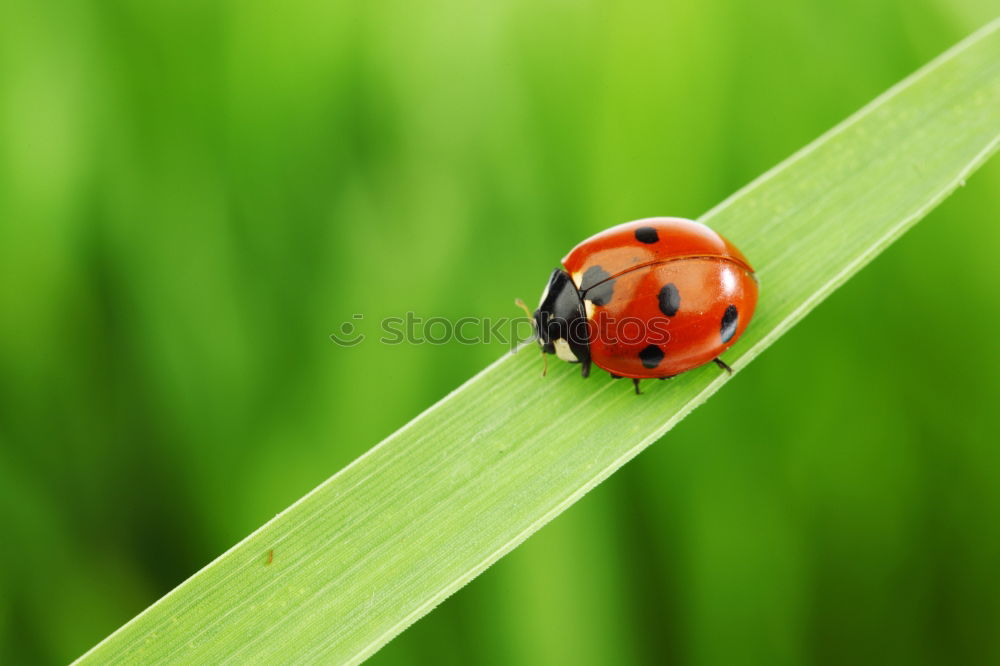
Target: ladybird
{"points": [[647, 299]]}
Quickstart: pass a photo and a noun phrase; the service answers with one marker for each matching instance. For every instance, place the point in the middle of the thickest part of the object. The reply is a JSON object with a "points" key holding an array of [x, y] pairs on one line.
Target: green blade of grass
{"points": [[361, 557]]}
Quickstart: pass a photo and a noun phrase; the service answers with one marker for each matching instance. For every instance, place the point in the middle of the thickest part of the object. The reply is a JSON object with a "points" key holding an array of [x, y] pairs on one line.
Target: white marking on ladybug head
{"points": [[589, 307], [563, 351], [577, 277]]}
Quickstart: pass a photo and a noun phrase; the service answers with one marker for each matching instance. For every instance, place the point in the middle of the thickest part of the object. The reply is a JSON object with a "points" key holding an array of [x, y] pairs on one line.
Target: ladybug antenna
{"points": [[519, 303], [545, 359]]}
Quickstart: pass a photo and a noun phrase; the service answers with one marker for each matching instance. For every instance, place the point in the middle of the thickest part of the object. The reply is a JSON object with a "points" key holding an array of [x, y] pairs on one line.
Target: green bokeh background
{"points": [[194, 195]]}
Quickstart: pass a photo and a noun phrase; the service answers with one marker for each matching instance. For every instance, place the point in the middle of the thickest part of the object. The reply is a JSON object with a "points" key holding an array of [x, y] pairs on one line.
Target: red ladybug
{"points": [[647, 299]]}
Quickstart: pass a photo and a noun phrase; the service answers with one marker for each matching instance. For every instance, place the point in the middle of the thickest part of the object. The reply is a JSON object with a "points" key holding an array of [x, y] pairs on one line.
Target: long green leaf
{"points": [[361, 557]]}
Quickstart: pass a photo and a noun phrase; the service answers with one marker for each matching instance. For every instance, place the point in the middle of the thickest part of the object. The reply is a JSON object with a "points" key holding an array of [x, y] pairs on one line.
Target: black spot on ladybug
{"points": [[594, 275], [596, 286], [729, 320], [646, 235], [651, 356], [670, 299]]}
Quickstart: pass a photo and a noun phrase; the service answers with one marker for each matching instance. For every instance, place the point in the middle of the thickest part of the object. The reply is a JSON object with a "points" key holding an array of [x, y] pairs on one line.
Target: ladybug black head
{"points": [[561, 322]]}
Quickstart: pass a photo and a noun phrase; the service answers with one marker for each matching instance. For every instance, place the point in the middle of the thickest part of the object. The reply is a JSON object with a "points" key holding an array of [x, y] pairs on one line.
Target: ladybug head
{"points": [[561, 322]]}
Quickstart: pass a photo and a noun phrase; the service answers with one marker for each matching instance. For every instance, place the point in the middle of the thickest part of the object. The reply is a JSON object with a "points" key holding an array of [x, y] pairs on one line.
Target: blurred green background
{"points": [[194, 195]]}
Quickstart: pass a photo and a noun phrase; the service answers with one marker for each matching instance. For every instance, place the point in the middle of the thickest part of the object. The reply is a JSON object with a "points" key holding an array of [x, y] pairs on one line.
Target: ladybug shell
{"points": [[663, 295]]}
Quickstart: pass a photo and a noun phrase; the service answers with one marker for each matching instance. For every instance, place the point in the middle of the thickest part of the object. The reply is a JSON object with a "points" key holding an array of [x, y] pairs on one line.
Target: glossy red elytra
{"points": [[647, 299]]}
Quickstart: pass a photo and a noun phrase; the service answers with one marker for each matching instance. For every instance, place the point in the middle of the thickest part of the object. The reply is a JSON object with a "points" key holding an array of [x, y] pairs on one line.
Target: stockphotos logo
{"points": [[510, 331]]}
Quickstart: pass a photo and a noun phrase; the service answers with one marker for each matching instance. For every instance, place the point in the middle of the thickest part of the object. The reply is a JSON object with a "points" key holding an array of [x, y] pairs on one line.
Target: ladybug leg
{"points": [[722, 364], [635, 382]]}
